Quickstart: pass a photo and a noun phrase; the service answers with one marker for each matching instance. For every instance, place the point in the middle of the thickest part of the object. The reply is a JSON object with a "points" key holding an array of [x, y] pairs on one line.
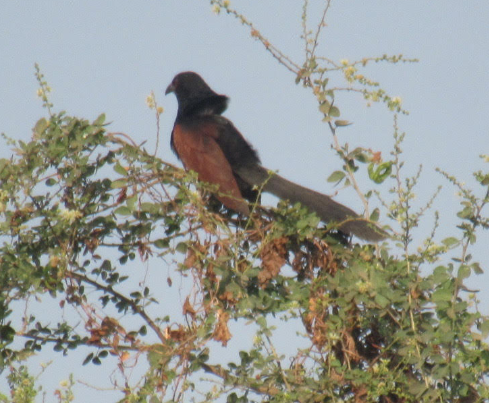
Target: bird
{"points": [[209, 144]]}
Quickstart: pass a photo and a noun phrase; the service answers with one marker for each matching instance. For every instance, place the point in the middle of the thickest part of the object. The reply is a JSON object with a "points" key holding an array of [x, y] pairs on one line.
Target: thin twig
{"points": [[135, 307]]}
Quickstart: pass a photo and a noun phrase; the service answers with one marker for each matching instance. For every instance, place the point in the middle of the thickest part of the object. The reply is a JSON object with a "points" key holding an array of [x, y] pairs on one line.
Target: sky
{"points": [[107, 57]]}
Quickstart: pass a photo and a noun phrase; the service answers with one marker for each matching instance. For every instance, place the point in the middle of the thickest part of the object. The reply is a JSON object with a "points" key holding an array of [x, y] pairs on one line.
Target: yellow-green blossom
{"points": [[70, 215]]}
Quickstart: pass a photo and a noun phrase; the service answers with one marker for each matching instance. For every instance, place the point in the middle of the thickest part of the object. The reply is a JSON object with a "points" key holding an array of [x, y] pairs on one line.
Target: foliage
{"points": [[80, 204], [92, 222], [22, 386]]}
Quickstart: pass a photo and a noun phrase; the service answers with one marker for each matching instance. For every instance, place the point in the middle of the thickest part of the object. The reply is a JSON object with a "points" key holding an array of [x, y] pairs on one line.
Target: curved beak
{"points": [[170, 88]]}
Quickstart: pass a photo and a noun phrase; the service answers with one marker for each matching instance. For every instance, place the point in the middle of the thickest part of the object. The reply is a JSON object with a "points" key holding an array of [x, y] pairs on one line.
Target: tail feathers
{"points": [[324, 206]]}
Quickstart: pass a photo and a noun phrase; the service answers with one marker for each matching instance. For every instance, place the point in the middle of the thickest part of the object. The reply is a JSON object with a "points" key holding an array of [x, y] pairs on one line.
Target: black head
{"points": [[194, 96]]}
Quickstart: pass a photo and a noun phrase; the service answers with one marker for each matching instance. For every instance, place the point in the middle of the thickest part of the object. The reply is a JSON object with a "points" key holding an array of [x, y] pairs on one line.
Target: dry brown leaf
{"points": [[349, 347], [190, 259], [376, 156], [221, 331], [144, 251], [122, 195], [93, 241], [177, 334], [124, 356], [228, 296], [273, 256], [360, 393], [311, 255], [315, 322], [210, 274], [108, 327], [189, 309]]}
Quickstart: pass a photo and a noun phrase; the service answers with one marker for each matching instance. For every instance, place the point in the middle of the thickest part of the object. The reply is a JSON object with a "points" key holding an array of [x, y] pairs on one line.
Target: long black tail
{"points": [[324, 206]]}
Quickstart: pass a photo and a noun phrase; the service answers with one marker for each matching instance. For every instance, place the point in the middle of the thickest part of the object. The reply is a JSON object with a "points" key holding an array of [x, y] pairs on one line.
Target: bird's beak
{"points": [[170, 88]]}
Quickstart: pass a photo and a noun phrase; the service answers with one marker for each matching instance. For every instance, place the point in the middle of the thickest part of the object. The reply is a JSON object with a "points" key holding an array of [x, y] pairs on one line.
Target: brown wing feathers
{"points": [[210, 145], [197, 148]]}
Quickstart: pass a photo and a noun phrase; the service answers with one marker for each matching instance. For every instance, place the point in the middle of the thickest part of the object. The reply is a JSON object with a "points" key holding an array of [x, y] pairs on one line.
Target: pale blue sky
{"points": [[107, 56]]}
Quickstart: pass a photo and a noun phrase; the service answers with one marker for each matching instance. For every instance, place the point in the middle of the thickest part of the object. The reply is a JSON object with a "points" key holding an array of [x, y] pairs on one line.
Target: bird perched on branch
{"points": [[210, 145]]}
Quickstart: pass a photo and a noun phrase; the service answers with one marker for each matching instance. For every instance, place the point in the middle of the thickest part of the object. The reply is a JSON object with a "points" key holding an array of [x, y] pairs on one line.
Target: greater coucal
{"points": [[210, 145]]}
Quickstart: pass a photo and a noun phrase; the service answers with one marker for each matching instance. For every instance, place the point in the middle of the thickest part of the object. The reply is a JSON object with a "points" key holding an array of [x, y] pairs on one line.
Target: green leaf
{"points": [[341, 123], [3, 163], [87, 359], [41, 126], [361, 157], [119, 183], [7, 334], [381, 300], [182, 247], [476, 267], [417, 388], [484, 180], [484, 327], [451, 242], [442, 295], [120, 169], [301, 224], [123, 210], [358, 154], [262, 322], [314, 220], [467, 212], [232, 398], [151, 208], [336, 176], [451, 313], [162, 243], [325, 107], [463, 272], [381, 173], [131, 201], [375, 215], [100, 120], [334, 112], [440, 274]]}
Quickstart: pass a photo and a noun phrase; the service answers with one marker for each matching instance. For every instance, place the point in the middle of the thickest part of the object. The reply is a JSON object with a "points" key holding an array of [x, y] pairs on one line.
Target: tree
{"points": [[87, 216]]}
